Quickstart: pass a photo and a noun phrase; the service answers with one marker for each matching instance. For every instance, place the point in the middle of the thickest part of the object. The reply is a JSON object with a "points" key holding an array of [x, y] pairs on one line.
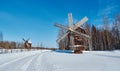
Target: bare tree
{"points": [[62, 44], [12, 45], [116, 32], [94, 34], [88, 42], [106, 33], [1, 36]]}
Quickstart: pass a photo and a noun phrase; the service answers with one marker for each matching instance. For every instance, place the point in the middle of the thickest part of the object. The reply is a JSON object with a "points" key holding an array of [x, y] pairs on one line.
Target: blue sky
{"points": [[35, 19]]}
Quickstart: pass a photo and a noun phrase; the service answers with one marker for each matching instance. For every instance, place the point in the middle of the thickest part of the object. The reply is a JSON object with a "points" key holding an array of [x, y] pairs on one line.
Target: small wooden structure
{"points": [[27, 44]]}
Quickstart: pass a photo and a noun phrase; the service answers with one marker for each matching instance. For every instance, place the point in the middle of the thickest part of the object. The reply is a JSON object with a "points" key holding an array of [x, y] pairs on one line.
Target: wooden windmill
{"points": [[75, 34], [27, 43]]}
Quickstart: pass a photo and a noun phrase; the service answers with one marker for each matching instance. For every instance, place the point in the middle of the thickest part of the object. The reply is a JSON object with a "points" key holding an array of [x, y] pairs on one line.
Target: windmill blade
{"points": [[23, 39], [70, 20], [80, 23], [62, 37], [61, 26], [81, 34], [64, 27]]}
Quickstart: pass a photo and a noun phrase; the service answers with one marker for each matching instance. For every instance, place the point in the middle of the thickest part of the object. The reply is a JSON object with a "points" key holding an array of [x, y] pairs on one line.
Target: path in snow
{"points": [[60, 61], [25, 61]]}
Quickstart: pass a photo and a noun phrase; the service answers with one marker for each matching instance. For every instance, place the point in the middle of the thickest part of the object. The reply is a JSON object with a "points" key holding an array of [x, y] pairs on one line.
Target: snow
{"points": [[46, 60], [29, 41]]}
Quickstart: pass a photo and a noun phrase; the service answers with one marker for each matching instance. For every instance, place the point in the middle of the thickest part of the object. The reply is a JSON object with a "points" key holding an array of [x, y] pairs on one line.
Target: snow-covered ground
{"points": [[46, 60]]}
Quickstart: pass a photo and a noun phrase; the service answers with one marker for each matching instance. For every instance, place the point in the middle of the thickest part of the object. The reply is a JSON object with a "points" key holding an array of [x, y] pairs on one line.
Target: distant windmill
{"points": [[27, 43], [73, 32]]}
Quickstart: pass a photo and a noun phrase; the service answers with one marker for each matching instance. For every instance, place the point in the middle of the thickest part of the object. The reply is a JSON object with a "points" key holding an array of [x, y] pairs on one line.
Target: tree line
{"points": [[20, 45], [11, 45], [106, 37]]}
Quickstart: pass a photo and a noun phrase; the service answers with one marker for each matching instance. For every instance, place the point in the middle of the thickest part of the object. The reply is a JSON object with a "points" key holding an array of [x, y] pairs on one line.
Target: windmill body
{"points": [[27, 43]]}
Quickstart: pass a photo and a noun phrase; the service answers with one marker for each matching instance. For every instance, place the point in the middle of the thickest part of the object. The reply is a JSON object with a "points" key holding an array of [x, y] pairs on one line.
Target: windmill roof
{"points": [[29, 41]]}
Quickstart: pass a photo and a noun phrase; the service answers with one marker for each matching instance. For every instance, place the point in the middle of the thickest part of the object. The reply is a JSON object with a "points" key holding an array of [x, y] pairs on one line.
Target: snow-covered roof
{"points": [[29, 41]]}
